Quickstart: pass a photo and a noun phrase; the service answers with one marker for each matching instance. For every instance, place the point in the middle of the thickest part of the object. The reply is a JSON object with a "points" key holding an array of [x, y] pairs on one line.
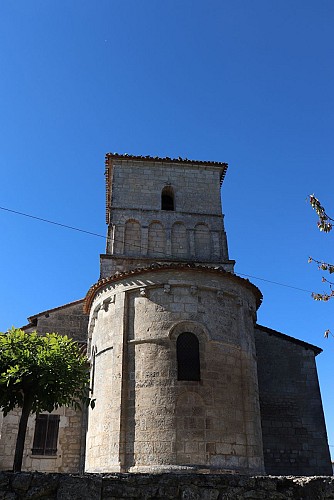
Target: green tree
{"points": [[40, 373]]}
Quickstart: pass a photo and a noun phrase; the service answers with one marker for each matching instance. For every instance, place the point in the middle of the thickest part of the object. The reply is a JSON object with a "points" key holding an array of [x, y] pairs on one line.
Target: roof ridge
{"points": [[74, 302], [179, 159], [271, 331]]}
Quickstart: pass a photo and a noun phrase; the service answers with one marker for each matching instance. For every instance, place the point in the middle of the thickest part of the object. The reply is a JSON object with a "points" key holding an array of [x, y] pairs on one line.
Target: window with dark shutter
{"points": [[188, 362], [46, 435], [167, 198]]}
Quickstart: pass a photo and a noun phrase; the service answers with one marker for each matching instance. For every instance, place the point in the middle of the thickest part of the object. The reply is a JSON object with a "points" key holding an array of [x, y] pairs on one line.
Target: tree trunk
{"points": [[21, 435]]}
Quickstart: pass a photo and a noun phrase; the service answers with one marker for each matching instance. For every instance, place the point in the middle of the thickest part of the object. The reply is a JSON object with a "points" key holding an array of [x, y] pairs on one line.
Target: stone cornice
{"points": [[170, 267], [165, 159]]}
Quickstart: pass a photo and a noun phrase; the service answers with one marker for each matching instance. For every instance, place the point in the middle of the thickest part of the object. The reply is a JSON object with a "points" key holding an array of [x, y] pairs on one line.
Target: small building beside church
{"points": [[184, 377]]}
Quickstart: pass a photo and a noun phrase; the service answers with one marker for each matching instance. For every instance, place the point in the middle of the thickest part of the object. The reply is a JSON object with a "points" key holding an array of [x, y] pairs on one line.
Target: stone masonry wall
{"points": [[37, 486], [293, 426], [138, 185], [66, 320], [138, 226], [145, 418], [67, 458], [151, 234]]}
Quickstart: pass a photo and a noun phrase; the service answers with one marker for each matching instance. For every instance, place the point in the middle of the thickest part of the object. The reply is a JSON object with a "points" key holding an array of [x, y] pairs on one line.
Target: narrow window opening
{"points": [[167, 199], [188, 362], [46, 435]]}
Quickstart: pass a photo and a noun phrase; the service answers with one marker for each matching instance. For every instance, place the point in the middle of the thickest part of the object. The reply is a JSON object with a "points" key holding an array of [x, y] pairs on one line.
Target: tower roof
{"points": [[165, 159]]}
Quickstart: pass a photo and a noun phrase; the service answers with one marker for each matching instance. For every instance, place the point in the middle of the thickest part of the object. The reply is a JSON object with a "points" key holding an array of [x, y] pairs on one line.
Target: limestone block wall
{"points": [[147, 419], [68, 319], [138, 227], [294, 432], [163, 234], [69, 443], [138, 185]]}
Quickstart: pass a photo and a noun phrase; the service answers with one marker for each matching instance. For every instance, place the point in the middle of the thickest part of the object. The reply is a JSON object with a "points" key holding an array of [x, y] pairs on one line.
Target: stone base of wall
{"points": [[33, 486]]}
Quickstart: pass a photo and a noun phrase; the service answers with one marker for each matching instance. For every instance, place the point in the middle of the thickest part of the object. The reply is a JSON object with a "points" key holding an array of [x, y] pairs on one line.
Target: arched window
{"points": [[187, 352], [167, 198]]}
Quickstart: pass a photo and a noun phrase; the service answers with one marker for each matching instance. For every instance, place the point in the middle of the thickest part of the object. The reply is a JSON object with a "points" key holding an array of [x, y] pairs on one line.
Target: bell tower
{"points": [[159, 209]]}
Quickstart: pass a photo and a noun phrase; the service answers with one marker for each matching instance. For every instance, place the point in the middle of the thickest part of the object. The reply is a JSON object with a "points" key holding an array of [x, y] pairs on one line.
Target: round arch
{"points": [[189, 326]]}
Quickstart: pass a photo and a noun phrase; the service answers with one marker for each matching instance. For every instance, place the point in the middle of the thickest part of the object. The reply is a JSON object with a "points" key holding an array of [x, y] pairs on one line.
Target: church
{"points": [[184, 377]]}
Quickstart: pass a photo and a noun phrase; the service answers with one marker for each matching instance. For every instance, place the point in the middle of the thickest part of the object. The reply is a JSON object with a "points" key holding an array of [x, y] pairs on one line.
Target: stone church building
{"points": [[183, 376]]}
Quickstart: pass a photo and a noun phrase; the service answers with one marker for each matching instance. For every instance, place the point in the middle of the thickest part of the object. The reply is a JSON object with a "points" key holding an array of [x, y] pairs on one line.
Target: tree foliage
{"points": [[40, 373], [325, 224]]}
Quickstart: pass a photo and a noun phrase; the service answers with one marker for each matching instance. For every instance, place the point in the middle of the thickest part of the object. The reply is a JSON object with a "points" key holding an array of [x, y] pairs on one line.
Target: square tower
{"points": [[163, 210]]}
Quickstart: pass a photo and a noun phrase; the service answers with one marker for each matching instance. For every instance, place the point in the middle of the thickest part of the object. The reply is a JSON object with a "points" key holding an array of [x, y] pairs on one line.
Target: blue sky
{"points": [[248, 83]]}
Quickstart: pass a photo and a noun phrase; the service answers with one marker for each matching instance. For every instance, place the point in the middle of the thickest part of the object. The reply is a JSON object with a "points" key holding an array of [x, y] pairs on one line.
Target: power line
{"points": [[52, 222], [133, 245], [275, 283]]}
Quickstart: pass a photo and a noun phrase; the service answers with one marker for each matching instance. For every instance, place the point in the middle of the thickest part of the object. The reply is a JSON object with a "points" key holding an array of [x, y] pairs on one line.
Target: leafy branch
{"points": [[325, 224], [324, 266]]}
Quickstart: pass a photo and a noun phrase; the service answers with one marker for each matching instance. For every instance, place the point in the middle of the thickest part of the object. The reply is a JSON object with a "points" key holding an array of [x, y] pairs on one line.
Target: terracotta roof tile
{"points": [[172, 266], [165, 159]]}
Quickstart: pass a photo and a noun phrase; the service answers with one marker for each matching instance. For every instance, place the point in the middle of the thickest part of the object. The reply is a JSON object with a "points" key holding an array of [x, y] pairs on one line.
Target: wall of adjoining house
{"points": [[293, 426], [68, 454], [66, 320]]}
